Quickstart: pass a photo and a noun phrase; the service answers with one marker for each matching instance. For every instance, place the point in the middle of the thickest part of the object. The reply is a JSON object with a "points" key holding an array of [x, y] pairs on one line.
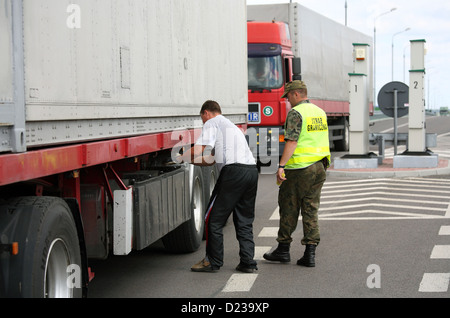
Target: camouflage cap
{"points": [[293, 86]]}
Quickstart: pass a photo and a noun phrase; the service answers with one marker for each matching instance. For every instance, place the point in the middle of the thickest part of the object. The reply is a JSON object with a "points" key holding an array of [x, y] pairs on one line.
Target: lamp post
{"points": [[375, 53], [407, 29], [404, 63], [345, 12]]}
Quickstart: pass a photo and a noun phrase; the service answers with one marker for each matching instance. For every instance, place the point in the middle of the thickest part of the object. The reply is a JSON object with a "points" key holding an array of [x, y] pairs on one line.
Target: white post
{"points": [[359, 90], [359, 102], [417, 155], [417, 132]]}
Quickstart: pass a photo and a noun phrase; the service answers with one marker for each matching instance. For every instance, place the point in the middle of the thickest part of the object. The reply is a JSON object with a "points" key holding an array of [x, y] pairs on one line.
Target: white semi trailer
{"points": [[95, 97]]}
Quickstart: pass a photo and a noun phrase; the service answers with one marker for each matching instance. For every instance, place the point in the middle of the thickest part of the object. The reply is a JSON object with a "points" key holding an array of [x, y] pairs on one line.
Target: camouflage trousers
{"points": [[301, 192]]}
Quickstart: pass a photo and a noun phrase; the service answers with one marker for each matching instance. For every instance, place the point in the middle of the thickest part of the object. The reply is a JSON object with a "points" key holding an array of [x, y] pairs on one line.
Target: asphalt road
{"points": [[386, 238]]}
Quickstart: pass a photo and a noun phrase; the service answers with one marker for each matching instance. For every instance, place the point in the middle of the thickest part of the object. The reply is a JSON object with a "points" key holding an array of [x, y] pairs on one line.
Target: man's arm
{"points": [[196, 155], [288, 151], [292, 134]]}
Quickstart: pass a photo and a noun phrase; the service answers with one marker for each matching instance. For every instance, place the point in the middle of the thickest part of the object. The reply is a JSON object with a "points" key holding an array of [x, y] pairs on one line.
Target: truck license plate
{"points": [[253, 117]]}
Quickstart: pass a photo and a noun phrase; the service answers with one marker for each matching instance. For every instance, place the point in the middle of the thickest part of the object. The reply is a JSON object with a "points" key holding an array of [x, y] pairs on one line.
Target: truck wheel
{"points": [[210, 176], [188, 236], [50, 247]]}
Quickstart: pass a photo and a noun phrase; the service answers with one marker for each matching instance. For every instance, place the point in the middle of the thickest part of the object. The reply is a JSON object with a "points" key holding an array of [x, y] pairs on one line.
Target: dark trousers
{"points": [[235, 192]]}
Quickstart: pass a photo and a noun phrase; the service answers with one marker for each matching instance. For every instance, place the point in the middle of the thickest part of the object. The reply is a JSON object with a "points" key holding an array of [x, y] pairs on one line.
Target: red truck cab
{"points": [[270, 66]]}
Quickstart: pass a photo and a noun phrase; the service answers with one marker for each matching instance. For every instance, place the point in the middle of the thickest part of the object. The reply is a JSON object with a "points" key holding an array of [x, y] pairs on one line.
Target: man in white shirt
{"points": [[234, 192]]}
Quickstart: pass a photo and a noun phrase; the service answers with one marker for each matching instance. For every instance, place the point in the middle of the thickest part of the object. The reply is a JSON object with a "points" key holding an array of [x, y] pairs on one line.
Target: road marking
{"points": [[393, 214], [276, 214], [386, 187], [338, 196], [440, 252], [379, 199], [435, 183], [434, 282], [432, 181], [444, 135], [240, 283], [269, 232], [389, 129], [343, 216], [260, 251], [387, 199], [384, 194], [444, 230], [382, 205], [437, 180]]}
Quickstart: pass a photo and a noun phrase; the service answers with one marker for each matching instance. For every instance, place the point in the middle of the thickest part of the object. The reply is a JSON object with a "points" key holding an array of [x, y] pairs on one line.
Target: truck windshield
{"points": [[265, 72]]}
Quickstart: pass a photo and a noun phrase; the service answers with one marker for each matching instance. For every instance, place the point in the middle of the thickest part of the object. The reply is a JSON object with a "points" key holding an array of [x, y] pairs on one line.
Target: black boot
{"points": [[308, 258], [280, 254]]}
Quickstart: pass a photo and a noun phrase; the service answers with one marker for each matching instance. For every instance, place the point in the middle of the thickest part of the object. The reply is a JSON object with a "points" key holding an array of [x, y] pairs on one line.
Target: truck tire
{"points": [[49, 246], [188, 236]]}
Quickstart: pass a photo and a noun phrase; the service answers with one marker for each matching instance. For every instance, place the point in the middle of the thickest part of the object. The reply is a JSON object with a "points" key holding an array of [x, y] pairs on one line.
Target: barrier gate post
{"points": [[358, 156], [417, 155]]}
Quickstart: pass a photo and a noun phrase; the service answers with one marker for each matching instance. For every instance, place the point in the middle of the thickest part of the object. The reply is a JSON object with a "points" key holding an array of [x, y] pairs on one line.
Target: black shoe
{"points": [[246, 268], [280, 254], [308, 258]]}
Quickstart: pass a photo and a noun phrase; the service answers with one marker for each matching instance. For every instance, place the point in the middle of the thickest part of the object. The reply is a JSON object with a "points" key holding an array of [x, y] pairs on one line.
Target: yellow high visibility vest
{"points": [[313, 144]]}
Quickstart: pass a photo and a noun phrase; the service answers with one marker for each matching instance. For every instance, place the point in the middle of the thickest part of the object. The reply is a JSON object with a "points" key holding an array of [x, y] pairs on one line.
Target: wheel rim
{"points": [[55, 280], [212, 182], [198, 205]]}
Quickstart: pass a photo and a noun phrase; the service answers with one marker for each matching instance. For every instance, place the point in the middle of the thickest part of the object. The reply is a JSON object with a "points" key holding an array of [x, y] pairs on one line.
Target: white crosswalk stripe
{"points": [[434, 282], [441, 252], [240, 283], [445, 230]]}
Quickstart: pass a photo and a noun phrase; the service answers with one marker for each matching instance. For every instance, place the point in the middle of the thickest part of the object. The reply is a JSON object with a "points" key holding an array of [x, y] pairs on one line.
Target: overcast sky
{"points": [[428, 20]]}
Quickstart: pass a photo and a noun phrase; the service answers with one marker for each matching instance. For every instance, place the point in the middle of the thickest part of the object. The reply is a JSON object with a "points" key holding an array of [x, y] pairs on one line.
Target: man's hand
{"points": [[280, 176], [196, 156], [178, 158]]}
